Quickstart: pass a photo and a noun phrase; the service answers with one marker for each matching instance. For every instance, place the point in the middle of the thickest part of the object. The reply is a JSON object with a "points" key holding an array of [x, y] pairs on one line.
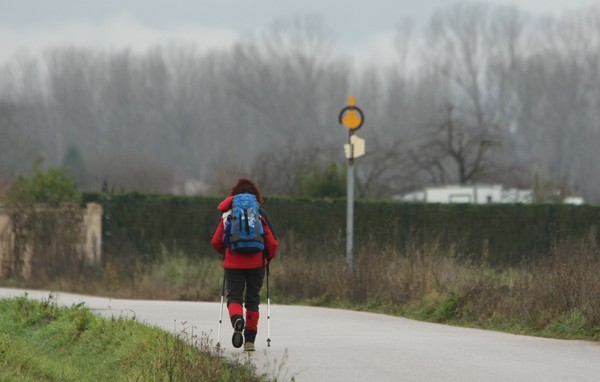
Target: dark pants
{"points": [[250, 281]]}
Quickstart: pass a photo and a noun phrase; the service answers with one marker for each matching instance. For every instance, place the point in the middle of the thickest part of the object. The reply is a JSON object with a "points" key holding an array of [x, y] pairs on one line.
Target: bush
{"points": [[323, 183], [52, 187]]}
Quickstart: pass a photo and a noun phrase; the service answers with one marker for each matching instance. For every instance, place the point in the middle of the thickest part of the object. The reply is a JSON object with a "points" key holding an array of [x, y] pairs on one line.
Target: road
{"points": [[319, 344]]}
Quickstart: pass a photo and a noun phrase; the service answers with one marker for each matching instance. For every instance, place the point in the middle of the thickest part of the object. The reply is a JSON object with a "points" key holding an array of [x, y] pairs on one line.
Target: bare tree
{"points": [[386, 170], [9, 129], [21, 114], [473, 56], [476, 49], [454, 151], [559, 89], [279, 169], [19, 146], [290, 81]]}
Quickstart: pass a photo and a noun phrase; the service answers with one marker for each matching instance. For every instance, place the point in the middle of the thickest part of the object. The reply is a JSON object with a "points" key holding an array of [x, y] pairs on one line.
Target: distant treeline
{"points": [[481, 93]]}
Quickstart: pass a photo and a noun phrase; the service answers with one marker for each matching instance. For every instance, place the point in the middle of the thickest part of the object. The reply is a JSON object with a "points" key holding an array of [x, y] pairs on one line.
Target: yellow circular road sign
{"points": [[351, 116]]}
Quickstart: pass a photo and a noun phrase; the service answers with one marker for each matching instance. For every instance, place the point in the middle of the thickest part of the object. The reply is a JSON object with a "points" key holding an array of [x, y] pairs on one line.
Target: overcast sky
{"points": [[357, 27]]}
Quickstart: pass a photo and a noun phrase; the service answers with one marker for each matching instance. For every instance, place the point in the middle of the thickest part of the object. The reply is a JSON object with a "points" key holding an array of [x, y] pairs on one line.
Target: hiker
{"points": [[248, 245]]}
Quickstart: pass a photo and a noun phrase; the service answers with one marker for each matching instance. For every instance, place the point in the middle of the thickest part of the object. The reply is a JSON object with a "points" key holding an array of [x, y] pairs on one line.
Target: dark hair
{"points": [[246, 186]]}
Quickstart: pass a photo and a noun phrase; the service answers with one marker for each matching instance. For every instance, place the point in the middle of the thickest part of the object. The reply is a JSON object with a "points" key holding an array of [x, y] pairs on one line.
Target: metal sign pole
{"points": [[350, 207]]}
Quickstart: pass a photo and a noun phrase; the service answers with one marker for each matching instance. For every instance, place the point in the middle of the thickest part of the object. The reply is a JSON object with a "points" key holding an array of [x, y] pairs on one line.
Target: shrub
{"points": [[52, 187], [323, 183]]}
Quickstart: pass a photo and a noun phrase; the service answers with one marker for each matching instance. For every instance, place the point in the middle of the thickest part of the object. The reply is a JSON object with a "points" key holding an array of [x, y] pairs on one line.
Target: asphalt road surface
{"points": [[319, 344]]}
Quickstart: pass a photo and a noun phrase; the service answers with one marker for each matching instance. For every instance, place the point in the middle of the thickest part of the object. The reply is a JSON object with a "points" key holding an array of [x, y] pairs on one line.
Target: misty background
{"points": [[478, 93]]}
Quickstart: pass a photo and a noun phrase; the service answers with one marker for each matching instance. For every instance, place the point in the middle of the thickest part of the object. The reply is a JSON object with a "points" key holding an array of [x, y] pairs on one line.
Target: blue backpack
{"points": [[243, 228]]}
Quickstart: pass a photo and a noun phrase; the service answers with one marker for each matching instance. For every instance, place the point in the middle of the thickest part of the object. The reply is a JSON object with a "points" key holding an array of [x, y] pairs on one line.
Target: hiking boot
{"points": [[249, 346], [238, 339]]}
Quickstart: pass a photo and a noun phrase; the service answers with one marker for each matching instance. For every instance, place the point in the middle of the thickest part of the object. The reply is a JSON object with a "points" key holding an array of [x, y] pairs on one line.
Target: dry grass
{"points": [[557, 296], [173, 278]]}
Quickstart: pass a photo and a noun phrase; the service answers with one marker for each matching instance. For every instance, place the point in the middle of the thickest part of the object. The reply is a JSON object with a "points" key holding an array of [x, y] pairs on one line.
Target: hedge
{"points": [[147, 225]]}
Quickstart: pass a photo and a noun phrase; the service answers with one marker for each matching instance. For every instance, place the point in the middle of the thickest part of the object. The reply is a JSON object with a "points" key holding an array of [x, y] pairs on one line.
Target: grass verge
{"points": [[40, 341]]}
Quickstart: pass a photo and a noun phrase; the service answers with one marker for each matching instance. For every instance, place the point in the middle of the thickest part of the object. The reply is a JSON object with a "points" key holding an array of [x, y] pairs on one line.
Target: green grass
{"points": [[40, 341]]}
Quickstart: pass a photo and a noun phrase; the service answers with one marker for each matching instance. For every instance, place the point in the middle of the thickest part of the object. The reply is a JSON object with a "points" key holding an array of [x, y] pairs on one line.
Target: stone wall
{"points": [[6, 241], [19, 255], [92, 225]]}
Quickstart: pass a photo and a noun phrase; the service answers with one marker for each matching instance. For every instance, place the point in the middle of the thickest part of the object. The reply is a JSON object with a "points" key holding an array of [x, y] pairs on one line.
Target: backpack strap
{"points": [[268, 220]]}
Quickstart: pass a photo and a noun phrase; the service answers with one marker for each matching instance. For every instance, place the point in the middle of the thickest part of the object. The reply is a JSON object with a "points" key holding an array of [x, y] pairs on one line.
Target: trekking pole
{"points": [[221, 312], [268, 310]]}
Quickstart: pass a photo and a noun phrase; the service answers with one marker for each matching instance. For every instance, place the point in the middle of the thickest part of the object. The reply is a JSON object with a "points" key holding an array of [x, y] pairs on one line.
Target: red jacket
{"points": [[233, 260]]}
